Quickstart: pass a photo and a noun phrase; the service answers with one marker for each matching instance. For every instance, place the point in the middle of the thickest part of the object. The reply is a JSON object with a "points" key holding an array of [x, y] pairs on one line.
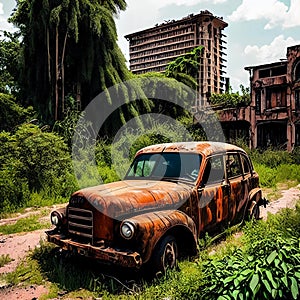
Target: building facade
{"points": [[150, 50], [274, 113]]}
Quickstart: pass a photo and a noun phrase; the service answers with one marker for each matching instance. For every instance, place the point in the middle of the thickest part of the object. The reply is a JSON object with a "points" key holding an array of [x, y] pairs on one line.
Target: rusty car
{"points": [[171, 196]]}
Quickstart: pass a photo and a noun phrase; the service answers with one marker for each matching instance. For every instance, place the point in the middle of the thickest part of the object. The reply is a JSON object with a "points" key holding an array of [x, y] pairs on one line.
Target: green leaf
{"points": [[224, 297], [254, 282], [274, 293], [236, 282], [277, 262], [267, 285], [271, 257], [270, 277], [228, 279], [246, 272], [294, 288], [284, 267], [285, 281]]}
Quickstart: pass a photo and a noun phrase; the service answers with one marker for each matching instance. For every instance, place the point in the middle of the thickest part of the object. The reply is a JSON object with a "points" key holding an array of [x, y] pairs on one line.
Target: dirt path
{"points": [[18, 245], [287, 200]]}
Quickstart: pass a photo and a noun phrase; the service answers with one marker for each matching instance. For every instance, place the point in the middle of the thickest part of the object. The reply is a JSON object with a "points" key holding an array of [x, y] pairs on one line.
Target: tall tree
{"points": [[70, 52]]}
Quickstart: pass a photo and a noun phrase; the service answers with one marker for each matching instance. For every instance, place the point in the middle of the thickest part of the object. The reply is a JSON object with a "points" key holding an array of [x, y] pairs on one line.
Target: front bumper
{"points": [[102, 253]]}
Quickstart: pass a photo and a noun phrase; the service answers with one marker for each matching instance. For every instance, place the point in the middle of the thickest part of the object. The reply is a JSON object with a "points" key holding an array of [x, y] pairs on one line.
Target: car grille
{"points": [[80, 223]]}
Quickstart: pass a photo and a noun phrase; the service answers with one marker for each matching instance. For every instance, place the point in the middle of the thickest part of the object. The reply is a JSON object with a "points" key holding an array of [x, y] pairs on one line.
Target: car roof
{"points": [[205, 148]]}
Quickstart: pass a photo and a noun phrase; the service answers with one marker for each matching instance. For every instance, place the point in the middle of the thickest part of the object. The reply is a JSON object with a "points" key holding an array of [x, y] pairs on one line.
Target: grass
{"points": [[27, 224], [4, 259]]}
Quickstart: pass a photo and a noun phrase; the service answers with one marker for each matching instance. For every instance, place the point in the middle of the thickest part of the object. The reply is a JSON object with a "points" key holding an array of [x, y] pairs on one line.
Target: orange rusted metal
{"points": [[124, 222]]}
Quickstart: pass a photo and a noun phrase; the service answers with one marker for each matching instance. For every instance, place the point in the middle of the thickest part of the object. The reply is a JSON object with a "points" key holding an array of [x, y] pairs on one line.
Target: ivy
{"points": [[231, 100]]}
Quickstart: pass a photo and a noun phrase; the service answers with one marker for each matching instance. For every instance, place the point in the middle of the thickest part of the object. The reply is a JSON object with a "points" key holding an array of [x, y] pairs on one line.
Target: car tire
{"points": [[255, 213], [165, 255]]}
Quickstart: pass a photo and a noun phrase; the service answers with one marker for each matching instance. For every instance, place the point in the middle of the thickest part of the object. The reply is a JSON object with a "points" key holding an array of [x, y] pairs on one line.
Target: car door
{"points": [[238, 187], [213, 194]]}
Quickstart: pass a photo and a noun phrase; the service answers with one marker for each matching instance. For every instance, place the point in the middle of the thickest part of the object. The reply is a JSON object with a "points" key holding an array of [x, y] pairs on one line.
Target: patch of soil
{"points": [[17, 247], [23, 293]]}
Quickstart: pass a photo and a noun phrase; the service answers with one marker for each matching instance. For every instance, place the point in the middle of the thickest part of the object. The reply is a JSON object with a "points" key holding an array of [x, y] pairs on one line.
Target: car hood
{"points": [[130, 197]]}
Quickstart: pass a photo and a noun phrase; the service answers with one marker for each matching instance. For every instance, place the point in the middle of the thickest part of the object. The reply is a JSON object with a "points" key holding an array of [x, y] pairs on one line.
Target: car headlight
{"points": [[127, 230], [54, 219], [57, 218]]}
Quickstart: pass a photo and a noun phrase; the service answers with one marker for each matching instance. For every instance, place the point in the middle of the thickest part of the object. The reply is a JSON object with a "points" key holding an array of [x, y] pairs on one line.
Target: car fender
{"points": [[255, 197], [151, 227]]}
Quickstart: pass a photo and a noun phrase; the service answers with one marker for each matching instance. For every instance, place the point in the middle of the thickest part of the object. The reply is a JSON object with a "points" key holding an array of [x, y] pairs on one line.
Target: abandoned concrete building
{"points": [[274, 113], [150, 50], [273, 117]]}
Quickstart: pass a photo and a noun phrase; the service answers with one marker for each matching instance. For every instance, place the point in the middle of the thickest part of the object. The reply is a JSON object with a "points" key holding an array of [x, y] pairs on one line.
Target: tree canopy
{"points": [[70, 53]]}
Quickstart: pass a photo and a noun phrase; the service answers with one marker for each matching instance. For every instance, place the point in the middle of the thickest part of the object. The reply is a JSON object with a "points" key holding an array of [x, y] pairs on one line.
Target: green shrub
{"points": [[45, 160], [271, 158], [274, 274], [296, 155], [269, 177], [33, 161], [267, 267], [12, 114], [14, 188]]}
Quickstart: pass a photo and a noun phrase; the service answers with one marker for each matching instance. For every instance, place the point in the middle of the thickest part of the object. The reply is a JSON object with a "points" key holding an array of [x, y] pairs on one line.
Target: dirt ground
{"points": [[18, 245]]}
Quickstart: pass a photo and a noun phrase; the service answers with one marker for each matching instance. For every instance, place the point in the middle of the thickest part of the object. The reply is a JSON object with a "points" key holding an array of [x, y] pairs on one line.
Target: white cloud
{"points": [[292, 17], [274, 11], [269, 53], [1, 9]]}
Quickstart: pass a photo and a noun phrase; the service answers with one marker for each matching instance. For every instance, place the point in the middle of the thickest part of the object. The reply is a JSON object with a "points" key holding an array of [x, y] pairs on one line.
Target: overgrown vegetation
{"points": [[230, 99], [33, 161], [267, 267]]}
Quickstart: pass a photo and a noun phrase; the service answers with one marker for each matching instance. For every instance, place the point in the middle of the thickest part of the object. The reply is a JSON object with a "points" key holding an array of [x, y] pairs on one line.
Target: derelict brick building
{"points": [[275, 105], [150, 50]]}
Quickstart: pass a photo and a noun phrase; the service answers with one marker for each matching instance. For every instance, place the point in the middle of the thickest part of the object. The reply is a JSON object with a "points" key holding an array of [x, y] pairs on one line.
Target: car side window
{"points": [[246, 164], [214, 170], [233, 165]]}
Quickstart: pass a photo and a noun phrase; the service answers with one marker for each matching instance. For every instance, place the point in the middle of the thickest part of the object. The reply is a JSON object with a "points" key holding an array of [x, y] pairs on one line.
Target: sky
{"points": [[258, 32]]}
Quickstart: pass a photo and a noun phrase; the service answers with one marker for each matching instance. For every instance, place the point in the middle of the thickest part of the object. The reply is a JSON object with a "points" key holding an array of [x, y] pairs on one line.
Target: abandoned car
{"points": [[171, 195]]}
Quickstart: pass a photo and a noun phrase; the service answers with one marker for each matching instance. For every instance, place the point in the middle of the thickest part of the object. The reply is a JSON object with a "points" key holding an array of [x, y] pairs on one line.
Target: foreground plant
{"points": [[267, 267]]}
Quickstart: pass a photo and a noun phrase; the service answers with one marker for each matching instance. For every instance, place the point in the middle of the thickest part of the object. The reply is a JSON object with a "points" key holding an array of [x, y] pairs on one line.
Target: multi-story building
{"points": [[150, 50], [274, 112], [273, 117]]}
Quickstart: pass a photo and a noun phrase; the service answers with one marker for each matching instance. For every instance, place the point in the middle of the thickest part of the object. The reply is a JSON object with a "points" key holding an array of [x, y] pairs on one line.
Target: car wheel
{"points": [[254, 215], [165, 255]]}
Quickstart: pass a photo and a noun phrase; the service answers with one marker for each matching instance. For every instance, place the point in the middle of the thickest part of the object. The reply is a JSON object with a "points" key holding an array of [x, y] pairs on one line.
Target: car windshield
{"points": [[165, 166]]}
